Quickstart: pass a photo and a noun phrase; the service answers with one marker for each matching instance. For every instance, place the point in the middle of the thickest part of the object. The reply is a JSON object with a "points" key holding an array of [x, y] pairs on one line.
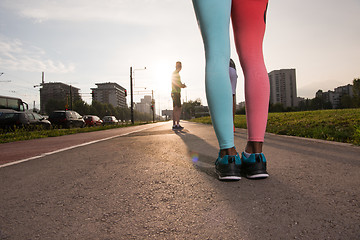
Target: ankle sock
{"points": [[247, 155]]}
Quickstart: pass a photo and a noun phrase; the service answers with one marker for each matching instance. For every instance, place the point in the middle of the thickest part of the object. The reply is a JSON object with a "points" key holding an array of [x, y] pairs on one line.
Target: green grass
{"points": [[340, 125], [23, 134]]}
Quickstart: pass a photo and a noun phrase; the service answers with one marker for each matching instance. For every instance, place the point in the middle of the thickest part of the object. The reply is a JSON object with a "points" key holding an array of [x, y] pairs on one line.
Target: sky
{"points": [[84, 42]]}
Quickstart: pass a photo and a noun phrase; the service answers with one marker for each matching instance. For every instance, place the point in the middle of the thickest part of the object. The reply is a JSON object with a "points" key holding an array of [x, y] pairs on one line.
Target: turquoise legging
{"points": [[248, 18]]}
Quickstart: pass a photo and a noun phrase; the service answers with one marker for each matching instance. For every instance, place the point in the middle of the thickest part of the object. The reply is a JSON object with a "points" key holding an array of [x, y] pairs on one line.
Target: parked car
{"points": [[11, 119], [42, 120], [92, 120], [66, 119], [110, 120]]}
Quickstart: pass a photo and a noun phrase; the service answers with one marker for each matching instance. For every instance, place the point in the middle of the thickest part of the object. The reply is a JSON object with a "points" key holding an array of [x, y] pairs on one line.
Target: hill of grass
{"points": [[341, 125]]}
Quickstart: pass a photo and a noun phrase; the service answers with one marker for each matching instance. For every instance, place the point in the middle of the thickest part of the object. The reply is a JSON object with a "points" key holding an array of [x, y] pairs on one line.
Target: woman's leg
{"points": [[249, 19], [214, 19]]}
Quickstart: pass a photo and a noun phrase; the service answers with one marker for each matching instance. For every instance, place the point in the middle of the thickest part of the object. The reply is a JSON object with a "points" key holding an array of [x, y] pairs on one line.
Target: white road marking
{"points": [[72, 147]]}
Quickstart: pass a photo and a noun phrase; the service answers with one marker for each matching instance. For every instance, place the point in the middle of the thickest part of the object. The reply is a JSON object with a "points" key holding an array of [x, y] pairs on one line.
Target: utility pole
{"points": [[132, 93], [42, 105], [131, 97], [71, 101], [153, 104]]}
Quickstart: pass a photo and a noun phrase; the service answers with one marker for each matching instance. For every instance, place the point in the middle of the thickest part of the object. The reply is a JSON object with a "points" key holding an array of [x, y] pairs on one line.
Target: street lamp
{"points": [[5, 80], [131, 92]]}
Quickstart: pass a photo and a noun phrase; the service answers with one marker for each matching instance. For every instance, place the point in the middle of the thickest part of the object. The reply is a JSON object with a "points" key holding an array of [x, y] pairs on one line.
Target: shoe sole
{"points": [[236, 178], [231, 175], [261, 175]]}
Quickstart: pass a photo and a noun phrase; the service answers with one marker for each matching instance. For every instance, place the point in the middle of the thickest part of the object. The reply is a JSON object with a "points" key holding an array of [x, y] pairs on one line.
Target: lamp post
{"points": [[131, 98], [5, 80], [153, 104], [131, 93]]}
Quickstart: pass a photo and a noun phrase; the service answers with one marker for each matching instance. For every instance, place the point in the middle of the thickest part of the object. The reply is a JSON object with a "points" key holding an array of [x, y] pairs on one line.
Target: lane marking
{"points": [[72, 147]]}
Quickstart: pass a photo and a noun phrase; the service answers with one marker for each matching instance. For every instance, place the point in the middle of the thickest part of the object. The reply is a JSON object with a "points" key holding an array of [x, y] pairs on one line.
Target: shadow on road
{"points": [[201, 153]]}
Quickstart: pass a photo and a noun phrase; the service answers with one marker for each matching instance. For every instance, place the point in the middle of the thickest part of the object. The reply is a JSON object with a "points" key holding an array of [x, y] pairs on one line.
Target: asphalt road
{"points": [[149, 182]]}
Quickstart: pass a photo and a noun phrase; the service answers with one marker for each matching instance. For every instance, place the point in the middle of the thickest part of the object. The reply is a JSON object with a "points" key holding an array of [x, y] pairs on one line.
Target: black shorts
{"points": [[176, 99]]}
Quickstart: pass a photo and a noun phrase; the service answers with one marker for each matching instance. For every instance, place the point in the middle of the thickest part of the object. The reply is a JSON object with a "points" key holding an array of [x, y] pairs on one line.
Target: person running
{"points": [[249, 20], [233, 80], [176, 96]]}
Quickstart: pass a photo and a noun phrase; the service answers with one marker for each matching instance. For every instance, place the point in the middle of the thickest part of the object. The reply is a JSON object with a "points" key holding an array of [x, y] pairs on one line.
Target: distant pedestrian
{"points": [[248, 20], [176, 96], [233, 80]]}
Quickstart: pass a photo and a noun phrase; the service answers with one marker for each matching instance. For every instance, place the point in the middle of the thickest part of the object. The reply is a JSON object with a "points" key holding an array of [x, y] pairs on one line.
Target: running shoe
{"points": [[228, 167], [254, 167], [176, 127]]}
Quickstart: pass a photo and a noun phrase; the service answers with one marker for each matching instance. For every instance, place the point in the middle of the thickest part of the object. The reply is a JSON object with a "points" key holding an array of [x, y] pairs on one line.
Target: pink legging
{"points": [[249, 19]]}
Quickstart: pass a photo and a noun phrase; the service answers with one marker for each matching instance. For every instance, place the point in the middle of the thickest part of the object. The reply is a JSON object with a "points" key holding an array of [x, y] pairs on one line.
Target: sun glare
{"points": [[161, 75]]}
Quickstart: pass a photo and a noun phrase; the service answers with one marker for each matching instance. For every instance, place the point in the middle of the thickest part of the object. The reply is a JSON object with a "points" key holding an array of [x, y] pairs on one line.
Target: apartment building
{"points": [[334, 97], [57, 91], [144, 105], [283, 87], [110, 93]]}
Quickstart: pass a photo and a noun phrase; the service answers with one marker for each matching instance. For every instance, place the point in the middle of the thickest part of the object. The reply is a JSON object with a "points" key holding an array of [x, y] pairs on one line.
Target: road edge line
{"points": [[72, 147]]}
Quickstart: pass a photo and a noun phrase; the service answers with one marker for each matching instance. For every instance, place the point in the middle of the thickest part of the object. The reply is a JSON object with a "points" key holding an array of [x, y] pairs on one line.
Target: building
{"points": [[345, 90], [334, 97], [144, 106], [167, 113], [110, 93], [57, 91], [283, 87]]}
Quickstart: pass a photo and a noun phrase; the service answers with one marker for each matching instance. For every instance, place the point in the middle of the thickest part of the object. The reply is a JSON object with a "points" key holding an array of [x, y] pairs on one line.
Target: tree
{"points": [[241, 111], [81, 107], [98, 109], [356, 91], [277, 107], [188, 108], [53, 105], [346, 102]]}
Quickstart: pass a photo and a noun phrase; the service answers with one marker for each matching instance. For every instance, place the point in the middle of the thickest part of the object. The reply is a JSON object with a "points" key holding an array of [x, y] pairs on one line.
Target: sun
{"points": [[161, 77]]}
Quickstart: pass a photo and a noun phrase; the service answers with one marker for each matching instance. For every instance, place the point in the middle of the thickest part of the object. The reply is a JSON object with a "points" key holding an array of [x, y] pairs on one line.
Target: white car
{"points": [[110, 120]]}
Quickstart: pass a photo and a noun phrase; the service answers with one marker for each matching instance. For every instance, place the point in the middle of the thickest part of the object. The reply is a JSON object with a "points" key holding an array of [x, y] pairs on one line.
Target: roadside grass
{"points": [[21, 134], [340, 125]]}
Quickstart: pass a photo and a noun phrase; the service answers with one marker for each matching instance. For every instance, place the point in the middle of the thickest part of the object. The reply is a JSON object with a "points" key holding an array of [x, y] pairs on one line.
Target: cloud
{"points": [[14, 55], [143, 12]]}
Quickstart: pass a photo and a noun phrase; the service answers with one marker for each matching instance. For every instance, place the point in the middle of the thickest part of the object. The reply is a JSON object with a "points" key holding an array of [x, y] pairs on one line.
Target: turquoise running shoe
{"points": [[254, 167], [228, 167]]}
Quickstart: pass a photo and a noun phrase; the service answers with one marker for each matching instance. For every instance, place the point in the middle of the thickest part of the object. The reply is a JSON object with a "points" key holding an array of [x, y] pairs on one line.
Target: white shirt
{"points": [[233, 79]]}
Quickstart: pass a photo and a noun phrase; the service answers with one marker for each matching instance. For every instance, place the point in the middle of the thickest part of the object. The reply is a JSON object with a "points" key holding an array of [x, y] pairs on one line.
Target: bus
{"points": [[13, 103]]}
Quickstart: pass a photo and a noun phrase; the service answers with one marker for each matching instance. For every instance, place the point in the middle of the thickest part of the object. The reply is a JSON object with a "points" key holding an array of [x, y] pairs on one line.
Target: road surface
{"points": [[149, 182]]}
